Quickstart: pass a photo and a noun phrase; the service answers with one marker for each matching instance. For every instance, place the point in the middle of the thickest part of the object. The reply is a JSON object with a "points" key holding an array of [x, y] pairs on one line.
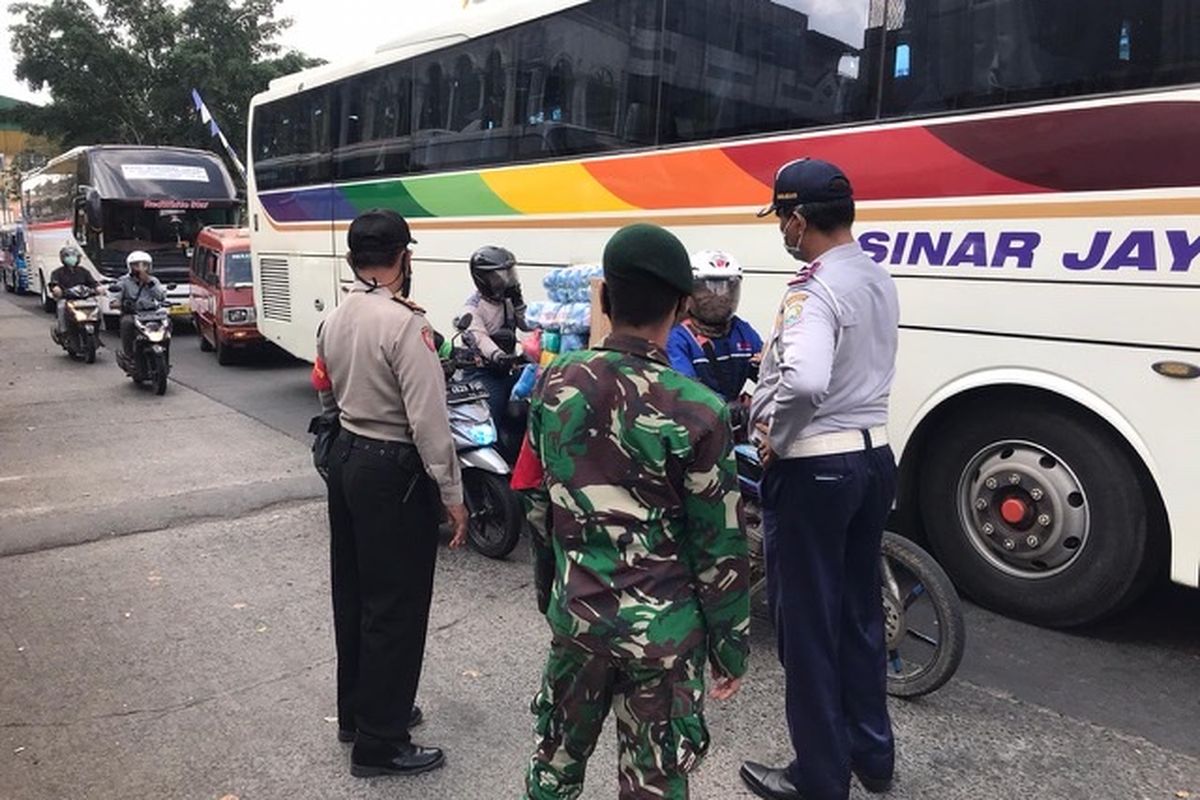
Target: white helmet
{"points": [[139, 257], [715, 265]]}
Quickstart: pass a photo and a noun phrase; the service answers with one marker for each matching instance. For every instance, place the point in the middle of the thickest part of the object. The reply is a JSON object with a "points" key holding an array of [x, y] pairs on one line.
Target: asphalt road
{"points": [[1138, 673], [193, 658]]}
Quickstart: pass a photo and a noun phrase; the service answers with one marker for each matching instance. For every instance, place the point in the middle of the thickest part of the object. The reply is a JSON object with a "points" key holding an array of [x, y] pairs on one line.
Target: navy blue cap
{"points": [[807, 180]]}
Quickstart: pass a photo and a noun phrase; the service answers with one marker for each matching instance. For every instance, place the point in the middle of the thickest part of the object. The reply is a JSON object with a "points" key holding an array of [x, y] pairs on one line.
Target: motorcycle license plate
{"points": [[180, 311]]}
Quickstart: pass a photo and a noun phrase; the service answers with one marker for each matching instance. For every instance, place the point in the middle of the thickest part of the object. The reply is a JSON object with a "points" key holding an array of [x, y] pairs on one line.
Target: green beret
{"points": [[642, 249]]}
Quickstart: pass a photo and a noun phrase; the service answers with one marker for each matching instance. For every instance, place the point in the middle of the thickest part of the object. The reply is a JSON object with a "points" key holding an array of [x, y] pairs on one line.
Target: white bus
{"points": [[1027, 169], [109, 200]]}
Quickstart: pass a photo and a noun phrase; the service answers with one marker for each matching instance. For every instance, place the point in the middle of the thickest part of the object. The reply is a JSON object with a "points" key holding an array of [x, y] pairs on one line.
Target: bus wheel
{"points": [[48, 304], [1036, 513]]}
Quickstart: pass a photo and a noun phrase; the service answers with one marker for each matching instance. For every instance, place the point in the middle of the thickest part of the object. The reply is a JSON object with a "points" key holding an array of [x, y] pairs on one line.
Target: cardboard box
{"points": [[600, 326]]}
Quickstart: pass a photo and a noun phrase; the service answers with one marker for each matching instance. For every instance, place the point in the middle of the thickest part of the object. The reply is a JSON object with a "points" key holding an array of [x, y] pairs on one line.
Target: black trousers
{"points": [[128, 334], [383, 547], [824, 519]]}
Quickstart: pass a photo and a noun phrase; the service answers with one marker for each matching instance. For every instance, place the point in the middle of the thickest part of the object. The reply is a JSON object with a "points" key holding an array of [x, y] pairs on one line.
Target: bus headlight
{"points": [[239, 316]]}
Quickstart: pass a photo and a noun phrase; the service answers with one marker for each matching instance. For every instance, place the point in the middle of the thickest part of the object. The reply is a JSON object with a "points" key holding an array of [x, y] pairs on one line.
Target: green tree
{"points": [[122, 71]]}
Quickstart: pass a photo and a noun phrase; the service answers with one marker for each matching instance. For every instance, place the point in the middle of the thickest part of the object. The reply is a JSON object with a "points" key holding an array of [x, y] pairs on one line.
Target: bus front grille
{"points": [[276, 286]]}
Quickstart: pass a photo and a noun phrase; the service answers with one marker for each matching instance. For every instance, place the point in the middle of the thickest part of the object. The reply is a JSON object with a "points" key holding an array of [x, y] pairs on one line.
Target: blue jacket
{"points": [[723, 365]]}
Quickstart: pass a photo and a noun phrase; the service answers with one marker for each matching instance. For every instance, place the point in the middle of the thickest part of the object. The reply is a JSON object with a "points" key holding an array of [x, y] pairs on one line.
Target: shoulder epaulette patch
{"points": [[409, 304]]}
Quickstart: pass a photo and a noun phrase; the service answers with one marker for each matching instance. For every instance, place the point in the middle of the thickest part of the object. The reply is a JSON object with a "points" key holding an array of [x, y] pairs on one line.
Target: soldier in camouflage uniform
{"points": [[643, 568]]}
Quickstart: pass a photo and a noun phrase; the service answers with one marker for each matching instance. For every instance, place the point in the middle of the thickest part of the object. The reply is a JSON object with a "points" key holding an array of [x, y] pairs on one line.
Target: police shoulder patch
{"points": [[427, 337], [793, 308], [409, 304]]}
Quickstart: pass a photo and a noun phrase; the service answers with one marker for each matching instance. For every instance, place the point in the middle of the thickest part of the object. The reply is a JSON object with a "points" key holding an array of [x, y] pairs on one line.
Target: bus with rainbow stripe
{"points": [[1027, 170]]}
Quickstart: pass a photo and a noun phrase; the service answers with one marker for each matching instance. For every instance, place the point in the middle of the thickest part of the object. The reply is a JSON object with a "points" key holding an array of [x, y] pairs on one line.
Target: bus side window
{"points": [[211, 268]]}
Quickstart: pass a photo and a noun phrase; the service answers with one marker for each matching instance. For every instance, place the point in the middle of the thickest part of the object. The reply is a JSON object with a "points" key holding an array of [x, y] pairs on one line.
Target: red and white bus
{"points": [[109, 200]]}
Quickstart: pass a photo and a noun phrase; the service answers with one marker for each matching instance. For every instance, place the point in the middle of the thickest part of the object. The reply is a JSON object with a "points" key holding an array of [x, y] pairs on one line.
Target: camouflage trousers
{"points": [[661, 735]]}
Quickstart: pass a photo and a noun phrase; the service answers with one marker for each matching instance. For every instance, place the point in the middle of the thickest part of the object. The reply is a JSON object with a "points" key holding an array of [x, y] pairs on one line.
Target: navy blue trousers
{"points": [[824, 519]]}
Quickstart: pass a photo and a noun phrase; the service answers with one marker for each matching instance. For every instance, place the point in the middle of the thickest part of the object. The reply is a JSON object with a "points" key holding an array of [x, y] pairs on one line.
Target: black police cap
{"points": [[807, 180], [379, 230]]}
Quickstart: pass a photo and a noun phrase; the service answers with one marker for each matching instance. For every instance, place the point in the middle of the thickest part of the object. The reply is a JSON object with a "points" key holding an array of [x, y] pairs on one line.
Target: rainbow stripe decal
{"points": [[1114, 147]]}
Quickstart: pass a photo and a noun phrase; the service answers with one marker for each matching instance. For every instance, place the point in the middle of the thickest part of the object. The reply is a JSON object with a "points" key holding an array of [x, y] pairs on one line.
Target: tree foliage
{"points": [[122, 71]]}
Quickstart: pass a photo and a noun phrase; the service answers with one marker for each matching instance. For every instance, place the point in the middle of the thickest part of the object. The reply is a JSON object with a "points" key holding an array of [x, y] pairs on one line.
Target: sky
{"points": [[337, 30]]}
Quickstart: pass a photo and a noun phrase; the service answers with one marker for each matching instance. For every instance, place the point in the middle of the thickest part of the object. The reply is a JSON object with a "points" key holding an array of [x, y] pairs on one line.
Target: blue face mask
{"points": [[71, 260]]}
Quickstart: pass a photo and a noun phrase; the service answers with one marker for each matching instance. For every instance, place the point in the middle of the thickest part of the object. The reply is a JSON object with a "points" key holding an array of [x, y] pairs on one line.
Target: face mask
{"points": [[71, 261], [793, 250]]}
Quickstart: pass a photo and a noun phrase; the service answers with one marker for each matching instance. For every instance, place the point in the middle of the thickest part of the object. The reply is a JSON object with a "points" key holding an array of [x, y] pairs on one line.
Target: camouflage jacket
{"points": [[642, 492]]}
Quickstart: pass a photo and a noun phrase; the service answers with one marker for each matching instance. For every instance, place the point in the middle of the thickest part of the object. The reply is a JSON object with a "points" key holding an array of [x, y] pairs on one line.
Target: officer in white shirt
{"points": [[820, 416]]}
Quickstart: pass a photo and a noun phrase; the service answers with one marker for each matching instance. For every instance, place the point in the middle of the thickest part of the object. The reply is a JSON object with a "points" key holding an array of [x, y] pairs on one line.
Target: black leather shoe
{"points": [[768, 782], [375, 758], [873, 785], [346, 735]]}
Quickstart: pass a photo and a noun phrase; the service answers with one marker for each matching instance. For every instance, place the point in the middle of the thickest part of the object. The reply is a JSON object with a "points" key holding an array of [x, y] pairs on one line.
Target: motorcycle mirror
{"points": [[463, 322], [114, 289]]}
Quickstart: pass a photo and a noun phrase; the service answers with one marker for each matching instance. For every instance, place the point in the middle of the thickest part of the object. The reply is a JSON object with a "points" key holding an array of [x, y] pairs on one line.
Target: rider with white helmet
{"points": [[138, 290], [712, 344]]}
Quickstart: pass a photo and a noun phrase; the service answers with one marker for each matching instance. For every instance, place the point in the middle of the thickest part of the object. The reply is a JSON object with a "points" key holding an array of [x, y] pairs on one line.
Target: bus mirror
{"points": [[89, 200]]}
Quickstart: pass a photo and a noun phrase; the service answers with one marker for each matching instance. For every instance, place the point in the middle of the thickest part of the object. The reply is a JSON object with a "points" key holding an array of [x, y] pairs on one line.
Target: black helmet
{"points": [[494, 270]]}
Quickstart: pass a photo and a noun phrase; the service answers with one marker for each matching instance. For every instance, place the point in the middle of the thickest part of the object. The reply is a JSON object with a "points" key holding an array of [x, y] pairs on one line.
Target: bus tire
{"points": [[48, 304], [1036, 512]]}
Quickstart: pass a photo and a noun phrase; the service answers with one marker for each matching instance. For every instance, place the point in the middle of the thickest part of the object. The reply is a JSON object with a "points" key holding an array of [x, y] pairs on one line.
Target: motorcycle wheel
{"points": [[89, 349], [494, 513], [160, 373], [923, 620]]}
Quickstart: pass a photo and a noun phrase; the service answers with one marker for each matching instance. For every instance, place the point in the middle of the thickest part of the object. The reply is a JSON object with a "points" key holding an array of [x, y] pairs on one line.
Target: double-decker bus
{"points": [[1028, 170], [109, 200]]}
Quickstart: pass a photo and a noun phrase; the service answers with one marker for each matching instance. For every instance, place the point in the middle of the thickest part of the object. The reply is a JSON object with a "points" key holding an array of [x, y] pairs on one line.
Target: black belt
{"points": [[397, 451]]}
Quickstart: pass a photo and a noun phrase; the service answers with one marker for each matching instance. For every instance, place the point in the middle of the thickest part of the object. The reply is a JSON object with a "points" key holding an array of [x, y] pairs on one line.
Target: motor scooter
{"points": [[923, 620], [495, 515], [81, 338]]}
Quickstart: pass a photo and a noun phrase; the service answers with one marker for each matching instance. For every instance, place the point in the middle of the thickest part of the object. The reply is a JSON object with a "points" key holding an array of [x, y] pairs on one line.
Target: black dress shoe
{"points": [[374, 758], [873, 785], [346, 735], [768, 782]]}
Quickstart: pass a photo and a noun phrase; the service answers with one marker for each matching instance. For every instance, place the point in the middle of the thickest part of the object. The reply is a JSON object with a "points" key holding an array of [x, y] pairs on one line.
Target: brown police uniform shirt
{"points": [[385, 377]]}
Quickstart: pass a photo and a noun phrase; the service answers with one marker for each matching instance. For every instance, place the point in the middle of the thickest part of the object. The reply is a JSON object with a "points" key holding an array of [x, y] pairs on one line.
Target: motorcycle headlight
{"points": [[483, 434], [239, 316]]}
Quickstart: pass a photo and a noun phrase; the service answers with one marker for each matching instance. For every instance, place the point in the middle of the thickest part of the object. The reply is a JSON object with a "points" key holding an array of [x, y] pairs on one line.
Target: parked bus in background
{"points": [[1026, 169], [109, 200], [12, 258]]}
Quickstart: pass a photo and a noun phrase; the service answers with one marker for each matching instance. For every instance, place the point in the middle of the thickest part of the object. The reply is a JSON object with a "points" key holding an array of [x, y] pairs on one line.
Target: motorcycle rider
{"points": [[712, 344], [497, 311], [138, 290], [71, 274]]}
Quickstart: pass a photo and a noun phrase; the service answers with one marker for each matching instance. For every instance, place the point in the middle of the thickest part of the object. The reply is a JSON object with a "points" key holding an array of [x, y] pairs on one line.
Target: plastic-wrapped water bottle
{"points": [[523, 388], [572, 342]]}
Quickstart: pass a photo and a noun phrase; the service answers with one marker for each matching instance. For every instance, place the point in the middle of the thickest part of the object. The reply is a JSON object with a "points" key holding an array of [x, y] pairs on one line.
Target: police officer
{"points": [[821, 410], [391, 462], [652, 579]]}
